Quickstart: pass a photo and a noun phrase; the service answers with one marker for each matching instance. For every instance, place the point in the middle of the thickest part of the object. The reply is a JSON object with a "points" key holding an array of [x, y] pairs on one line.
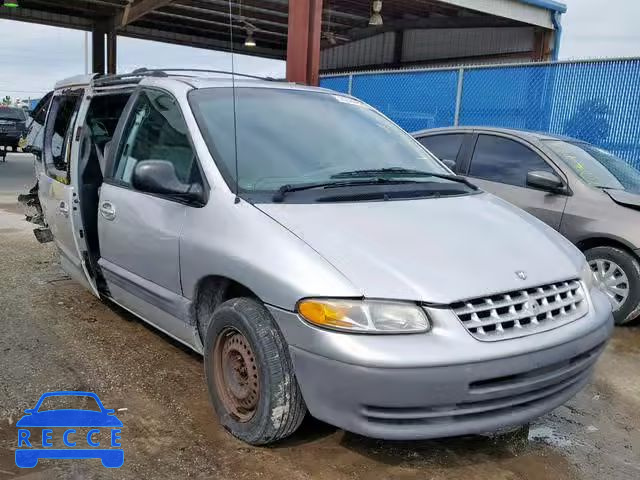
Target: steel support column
{"points": [[303, 43], [97, 49], [112, 51]]}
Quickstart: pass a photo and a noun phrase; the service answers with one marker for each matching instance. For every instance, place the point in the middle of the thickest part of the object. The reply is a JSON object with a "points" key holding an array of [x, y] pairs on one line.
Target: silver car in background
{"points": [[318, 257], [586, 193]]}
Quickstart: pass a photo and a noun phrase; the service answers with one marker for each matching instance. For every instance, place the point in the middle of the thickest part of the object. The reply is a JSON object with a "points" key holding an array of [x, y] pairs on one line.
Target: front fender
{"points": [[239, 242]]}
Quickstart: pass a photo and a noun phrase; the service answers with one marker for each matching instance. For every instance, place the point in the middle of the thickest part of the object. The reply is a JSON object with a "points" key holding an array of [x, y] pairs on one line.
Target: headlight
{"points": [[586, 275], [364, 316]]}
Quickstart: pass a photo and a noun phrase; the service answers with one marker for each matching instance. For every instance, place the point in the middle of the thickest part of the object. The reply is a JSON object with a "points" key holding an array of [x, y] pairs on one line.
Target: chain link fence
{"points": [[596, 100]]}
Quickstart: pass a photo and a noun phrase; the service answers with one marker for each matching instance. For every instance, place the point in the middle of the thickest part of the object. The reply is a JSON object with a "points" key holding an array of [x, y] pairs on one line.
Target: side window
{"points": [[39, 113], [502, 160], [445, 147], [58, 135], [35, 126], [155, 130]]}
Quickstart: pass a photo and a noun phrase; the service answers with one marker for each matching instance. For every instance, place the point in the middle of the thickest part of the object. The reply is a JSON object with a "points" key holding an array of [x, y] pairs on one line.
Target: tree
{"points": [[6, 100]]}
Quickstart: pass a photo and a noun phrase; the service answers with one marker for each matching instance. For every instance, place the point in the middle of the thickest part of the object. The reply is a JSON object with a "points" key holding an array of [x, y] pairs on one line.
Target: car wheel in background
{"points": [[617, 273], [250, 374]]}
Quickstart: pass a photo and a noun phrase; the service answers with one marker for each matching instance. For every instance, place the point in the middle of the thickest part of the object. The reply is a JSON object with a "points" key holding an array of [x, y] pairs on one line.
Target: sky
{"points": [[33, 57]]}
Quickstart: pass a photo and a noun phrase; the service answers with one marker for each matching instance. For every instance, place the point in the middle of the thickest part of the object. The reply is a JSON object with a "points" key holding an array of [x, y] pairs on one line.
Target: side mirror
{"points": [[545, 181], [159, 176], [451, 164]]}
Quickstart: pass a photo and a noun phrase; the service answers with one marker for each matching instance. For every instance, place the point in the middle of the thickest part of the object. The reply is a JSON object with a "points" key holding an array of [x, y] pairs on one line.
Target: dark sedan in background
{"points": [[12, 126], [586, 193]]}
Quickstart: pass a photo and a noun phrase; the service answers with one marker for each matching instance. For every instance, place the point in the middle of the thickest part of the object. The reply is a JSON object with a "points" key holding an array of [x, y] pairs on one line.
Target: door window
{"points": [[445, 147], [502, 160], [39, 113], [58, 136], [35, 126], [155, 131]]}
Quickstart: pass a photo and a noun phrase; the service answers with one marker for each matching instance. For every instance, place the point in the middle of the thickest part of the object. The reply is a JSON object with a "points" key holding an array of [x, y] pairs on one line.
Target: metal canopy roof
{"points": [[205, 23]]}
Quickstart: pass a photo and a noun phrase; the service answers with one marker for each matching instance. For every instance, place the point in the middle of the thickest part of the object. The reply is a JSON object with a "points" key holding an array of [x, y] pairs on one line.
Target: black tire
{"points": [[631, 267], [280, 408]]}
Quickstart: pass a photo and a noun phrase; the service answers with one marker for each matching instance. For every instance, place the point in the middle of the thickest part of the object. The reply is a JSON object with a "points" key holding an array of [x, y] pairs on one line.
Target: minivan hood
{"points": [[432, 250]]}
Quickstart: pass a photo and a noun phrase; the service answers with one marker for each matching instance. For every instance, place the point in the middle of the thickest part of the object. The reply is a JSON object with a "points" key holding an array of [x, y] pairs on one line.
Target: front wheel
{"points": [[617, 273], [250, 374]]}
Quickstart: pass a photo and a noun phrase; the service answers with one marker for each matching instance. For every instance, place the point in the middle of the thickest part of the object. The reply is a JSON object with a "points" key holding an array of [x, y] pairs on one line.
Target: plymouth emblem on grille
{"points": [[521, 275]]}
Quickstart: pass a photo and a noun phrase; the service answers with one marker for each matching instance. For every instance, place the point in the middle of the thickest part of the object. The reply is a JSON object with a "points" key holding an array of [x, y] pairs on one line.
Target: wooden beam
{"points": [[137, 9]]}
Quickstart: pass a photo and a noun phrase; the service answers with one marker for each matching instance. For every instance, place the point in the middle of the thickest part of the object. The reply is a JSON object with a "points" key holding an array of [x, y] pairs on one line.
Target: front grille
{"points": [[523, 312]]}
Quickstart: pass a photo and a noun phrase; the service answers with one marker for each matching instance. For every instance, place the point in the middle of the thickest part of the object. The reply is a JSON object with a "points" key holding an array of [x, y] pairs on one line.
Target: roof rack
{"points": [[136, 75], [119, 79], [160, 71]]}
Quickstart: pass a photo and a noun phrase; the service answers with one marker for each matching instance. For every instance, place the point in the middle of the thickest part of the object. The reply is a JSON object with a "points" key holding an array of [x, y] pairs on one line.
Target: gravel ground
{"points": [[57, 336]]}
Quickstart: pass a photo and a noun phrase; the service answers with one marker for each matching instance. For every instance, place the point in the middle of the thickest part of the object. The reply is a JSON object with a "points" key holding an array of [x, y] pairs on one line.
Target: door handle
{"points": [[63, 208], [108, 210]]}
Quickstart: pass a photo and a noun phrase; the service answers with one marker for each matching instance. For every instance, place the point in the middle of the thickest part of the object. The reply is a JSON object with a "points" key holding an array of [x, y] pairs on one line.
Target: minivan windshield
{"points": [[597, 167], [11, 113], [289, 137]]}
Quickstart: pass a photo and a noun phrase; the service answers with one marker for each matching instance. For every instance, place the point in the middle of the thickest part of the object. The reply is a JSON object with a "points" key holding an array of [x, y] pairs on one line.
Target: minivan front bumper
{"points": [[445, 382]]}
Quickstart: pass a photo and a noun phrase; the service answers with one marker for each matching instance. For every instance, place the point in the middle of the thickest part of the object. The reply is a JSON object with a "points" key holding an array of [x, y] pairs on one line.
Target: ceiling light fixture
{"points": [[376, 18], [249, 41]]}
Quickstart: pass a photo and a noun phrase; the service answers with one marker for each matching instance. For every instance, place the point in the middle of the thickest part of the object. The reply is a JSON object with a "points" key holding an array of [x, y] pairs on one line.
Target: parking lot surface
{"points": [[57, 336]]}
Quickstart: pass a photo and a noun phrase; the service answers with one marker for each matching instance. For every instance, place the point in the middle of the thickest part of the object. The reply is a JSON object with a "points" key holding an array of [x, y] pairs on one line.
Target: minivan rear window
{"points": [[287, 136]]}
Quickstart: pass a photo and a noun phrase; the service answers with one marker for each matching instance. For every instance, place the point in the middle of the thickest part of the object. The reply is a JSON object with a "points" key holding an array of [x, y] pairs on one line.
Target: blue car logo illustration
{"points": [[37, 448]]}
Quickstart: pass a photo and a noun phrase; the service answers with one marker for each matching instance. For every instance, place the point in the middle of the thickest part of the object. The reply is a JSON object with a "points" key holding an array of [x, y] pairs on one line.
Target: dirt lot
{"points": [[56, 336]]}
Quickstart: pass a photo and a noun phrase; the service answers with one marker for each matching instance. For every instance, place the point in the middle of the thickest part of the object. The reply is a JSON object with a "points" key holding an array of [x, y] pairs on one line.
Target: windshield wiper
{"points": [[403, 172], [298, 187]]}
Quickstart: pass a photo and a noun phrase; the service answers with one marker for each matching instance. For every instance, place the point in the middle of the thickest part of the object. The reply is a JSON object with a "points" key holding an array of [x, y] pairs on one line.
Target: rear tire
{"points": [[619, 274], [250, 375]]}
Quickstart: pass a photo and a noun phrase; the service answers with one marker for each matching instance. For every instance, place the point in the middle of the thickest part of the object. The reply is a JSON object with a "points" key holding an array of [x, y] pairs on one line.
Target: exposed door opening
{"points": [[97, 131]]}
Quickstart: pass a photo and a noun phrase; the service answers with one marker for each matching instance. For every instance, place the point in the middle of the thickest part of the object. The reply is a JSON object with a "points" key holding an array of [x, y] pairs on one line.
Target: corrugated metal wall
{"points": [[597, 101], [430, 45], [438, 44], [376, 50]]}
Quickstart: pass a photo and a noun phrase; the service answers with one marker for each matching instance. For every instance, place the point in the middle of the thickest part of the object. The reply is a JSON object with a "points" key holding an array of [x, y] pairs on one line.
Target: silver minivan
{"points": [[317, 255]]}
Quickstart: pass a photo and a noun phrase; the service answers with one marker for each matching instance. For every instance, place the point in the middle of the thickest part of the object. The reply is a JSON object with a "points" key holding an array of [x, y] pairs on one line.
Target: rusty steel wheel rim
{"points": [[236, 374]]}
